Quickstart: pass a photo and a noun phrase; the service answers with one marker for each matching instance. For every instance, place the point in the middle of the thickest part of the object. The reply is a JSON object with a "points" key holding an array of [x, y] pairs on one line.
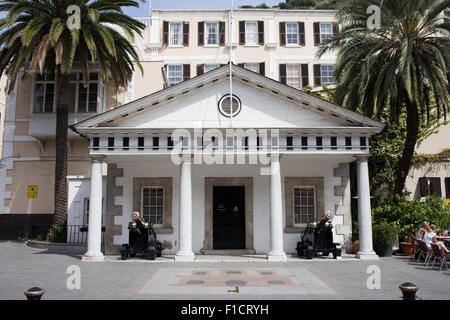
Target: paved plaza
{"points": [[23, 267]]}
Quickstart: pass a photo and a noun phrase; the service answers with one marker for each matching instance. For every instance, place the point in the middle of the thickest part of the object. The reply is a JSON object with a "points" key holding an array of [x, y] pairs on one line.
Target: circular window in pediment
{"points": [[229, 109]]}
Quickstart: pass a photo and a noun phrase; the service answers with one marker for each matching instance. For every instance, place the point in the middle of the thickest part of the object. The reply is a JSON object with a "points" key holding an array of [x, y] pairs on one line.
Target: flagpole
{"points": [[231, 61]]}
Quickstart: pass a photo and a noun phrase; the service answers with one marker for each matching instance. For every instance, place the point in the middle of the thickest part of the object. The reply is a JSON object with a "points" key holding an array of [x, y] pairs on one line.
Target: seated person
{"points": [[439, 243], [420, 233]]}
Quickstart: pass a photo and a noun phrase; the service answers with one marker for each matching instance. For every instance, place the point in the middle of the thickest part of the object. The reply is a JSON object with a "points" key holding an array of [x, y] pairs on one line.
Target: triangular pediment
{"points": [[265, 103]]}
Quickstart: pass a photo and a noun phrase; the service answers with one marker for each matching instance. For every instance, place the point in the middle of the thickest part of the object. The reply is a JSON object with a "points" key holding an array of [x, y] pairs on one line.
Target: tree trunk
{"points": [[62, 121], [412, 129]]}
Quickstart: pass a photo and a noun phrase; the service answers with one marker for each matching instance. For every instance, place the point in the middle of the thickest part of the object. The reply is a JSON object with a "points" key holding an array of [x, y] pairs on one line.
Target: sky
{"points": [[143, 10]]}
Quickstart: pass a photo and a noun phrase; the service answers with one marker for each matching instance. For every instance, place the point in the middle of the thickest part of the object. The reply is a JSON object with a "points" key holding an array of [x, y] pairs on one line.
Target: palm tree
{"points": [[402, 64], [35, 35]]}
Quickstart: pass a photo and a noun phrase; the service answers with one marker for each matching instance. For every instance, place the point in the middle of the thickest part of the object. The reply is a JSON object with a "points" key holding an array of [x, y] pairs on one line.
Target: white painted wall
{"points": [[290, 166]]}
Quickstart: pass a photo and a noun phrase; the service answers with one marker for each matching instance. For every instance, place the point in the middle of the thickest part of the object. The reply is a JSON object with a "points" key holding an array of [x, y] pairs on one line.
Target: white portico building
{"points": [[211, 175]]}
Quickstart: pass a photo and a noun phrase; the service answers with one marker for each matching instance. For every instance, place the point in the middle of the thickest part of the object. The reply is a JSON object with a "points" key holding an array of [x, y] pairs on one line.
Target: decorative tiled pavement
{"points": [[252, 281]]}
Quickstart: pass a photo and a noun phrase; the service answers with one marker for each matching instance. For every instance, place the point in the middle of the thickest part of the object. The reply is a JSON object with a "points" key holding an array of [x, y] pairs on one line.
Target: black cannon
{"points": [[318, 237], [142, 240]]}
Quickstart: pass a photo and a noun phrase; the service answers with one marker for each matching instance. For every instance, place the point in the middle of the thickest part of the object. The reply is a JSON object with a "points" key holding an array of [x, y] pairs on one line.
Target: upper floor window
{"points": [[81, 99], [44, 92], [252, 66], [174, 74], [430, 186], [292, 33], [251, 32], [212, 33], [293, 75], [326, 73], [175, 33], [209, 67], [326, 31]]}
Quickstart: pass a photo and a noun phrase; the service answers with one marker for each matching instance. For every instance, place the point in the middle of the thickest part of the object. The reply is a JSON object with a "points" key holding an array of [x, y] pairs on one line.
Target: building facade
{"points": [[275, 46], [431, 174], [216, 173]]}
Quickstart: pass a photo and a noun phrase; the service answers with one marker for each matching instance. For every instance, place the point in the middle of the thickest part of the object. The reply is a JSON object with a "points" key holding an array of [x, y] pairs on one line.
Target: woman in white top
{"points": [[430, 237]]}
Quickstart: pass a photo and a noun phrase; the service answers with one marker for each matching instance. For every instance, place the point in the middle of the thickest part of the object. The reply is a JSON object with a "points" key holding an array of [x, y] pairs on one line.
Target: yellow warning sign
{"points": [[32, 191]]}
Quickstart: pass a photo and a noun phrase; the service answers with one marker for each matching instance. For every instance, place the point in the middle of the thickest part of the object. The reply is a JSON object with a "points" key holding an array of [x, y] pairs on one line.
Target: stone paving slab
{"points": [[250, 281]]}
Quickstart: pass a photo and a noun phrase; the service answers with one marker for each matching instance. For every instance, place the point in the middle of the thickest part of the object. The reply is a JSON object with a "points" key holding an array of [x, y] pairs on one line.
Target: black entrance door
{"points": [[228, 218]]}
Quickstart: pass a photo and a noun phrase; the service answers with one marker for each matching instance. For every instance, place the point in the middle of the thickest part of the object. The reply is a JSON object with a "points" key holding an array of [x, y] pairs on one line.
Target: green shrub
{"points": [[407, 215], [384, 234], [58, 233]]}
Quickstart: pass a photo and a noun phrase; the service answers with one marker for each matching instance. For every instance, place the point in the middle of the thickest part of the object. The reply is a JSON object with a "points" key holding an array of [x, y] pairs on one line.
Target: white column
{"points": [[95, 214], [364, 212], [276, 212], [185, 243]]}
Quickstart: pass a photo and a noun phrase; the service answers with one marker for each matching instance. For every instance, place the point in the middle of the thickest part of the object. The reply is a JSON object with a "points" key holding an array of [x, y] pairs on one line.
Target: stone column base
{"points": [[93, 256], [277, 257], [184, 257], [371, 255]]}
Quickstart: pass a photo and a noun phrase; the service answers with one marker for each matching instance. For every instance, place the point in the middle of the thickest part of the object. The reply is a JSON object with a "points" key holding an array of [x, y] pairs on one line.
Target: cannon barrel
{"points": [[136, 218], [323, 219]]}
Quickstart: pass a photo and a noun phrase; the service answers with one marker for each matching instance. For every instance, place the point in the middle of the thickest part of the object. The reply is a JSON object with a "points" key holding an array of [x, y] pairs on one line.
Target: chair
{"points": [[414, 243], [438, 252], [424, 250]]}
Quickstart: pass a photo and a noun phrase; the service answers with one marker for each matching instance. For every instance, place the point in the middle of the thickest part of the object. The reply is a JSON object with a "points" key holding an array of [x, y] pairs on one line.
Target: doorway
{"points": [[228, 217]]}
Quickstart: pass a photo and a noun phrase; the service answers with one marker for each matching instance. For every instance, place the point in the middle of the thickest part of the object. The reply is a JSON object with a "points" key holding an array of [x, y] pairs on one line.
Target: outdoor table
{"points": [[443, 238]]}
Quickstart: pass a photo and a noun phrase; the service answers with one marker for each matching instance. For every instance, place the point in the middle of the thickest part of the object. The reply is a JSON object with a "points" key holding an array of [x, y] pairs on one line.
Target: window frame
{"points": [[329, 35], [294, 206], [209, 65], [180, 34], [256, 34], [168, 73], [206, 34], [252, 64], [162, 205], [296, 65], [287, 33], [100, 101], [322, 77]]}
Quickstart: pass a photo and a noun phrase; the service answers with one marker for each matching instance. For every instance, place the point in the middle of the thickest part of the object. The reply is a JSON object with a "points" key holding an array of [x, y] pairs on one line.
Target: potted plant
{"points": [[384, 236], [355, 246], [407, 248]]}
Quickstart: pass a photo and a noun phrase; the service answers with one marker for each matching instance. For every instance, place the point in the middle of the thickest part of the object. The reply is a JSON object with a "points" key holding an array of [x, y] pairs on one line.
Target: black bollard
{"points": [[409, 290], [34, 293]]}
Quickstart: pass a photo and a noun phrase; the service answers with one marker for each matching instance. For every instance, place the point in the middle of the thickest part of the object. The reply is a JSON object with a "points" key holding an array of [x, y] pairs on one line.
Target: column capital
{"points": [[274, 156], [186, 158], [97, 158], [362, 157]]}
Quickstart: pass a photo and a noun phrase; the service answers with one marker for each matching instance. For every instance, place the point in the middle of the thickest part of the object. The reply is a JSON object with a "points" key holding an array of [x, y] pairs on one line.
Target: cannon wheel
{"points": [[123, 255], [336, 252], [300, 249], [124, 252], [150, 254]]}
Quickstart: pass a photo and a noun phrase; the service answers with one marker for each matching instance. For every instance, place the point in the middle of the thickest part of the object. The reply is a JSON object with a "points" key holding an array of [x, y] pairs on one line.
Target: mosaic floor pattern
{"points": [[254, 281]]}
